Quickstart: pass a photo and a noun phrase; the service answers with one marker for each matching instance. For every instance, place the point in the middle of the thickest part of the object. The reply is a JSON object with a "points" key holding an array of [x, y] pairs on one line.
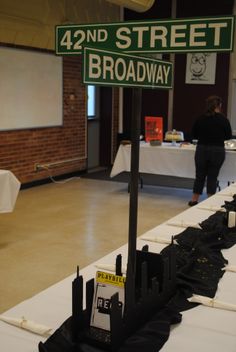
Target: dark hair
{"points": [[212, 103]]}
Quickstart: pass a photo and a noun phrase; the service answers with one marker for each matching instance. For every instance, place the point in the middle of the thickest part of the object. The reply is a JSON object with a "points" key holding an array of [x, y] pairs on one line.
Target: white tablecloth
{"points": [[169, 160], [9, 188], [202, 328]]}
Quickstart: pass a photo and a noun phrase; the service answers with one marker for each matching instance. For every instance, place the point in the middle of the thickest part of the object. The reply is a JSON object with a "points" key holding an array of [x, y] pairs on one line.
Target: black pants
{"points": [[208, 161]]}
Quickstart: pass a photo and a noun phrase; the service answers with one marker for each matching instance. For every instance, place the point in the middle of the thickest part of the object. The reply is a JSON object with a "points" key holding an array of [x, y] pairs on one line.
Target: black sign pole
{"points": [[133, 206]]}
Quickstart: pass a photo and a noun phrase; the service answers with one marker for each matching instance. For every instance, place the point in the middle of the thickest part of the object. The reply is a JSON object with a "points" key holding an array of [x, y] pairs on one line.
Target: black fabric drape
{"points": [[199, 269]]}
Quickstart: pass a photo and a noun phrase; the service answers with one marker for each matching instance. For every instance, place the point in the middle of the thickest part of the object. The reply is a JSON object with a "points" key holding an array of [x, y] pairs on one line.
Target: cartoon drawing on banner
{"points": [[200, 68]]}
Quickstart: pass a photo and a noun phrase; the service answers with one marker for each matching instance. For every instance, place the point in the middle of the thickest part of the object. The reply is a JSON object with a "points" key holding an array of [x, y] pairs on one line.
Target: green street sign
{"points": [[104, 67], [153, 36]]}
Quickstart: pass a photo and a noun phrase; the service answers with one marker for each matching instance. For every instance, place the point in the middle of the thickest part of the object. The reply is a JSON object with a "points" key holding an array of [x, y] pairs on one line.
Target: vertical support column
{"points": [[171, 91], [133, 206]]}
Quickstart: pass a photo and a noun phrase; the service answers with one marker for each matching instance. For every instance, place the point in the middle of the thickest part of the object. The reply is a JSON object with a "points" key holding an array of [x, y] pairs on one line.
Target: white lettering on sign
{"points": [[166, 71], [94, 66], [194, 33], [176, 34], [141, 71], [131, 74], [159, 36], [118, 69], [140, 31], [89, 36], [108, 67], [126, 41], [81, 35], [217, 27], [158, 33], [66, 40]]}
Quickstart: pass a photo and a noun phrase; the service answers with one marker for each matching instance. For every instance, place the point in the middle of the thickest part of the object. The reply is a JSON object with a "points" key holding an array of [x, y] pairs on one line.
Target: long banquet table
{"points": [[202, 328], [9, 188], [169, 160]]}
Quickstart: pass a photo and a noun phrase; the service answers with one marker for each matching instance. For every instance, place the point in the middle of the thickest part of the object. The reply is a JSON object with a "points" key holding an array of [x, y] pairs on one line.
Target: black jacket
{"points": [[212, 129]]}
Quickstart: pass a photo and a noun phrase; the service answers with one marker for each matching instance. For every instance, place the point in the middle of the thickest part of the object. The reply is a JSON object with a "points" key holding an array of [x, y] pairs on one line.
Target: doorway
{"points": [[93, 127], [99, 126]]}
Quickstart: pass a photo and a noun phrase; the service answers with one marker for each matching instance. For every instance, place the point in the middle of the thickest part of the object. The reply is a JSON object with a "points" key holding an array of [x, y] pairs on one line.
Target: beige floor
{"points": [[56, 227]]}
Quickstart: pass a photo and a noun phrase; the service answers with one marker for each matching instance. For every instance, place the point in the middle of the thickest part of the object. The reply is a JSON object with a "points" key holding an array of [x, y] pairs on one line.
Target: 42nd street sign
{"points": [[105, 67], [153, 36]]}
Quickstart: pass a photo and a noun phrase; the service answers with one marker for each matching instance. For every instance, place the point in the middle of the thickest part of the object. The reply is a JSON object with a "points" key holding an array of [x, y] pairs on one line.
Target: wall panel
{"points": [[30, 89]]}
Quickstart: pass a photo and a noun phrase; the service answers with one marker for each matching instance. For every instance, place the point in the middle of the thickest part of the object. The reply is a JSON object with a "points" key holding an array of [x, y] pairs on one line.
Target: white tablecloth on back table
{"points": [[169, 160]]}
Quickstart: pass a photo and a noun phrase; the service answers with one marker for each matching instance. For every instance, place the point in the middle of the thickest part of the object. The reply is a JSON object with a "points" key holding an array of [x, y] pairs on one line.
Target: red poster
{"points": [[153, 128]]}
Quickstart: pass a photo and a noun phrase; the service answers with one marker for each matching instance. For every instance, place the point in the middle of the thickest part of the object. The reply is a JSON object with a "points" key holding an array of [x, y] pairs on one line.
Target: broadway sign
{"points": [[104, 67], [153, 36]]}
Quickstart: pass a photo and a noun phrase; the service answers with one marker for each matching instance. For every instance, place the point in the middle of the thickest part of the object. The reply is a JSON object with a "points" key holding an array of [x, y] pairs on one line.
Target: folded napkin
{"points": [[183, 223], [109, 267], [28, 325], [157, 239], [230, 268], [212, 302], [211, 207]]}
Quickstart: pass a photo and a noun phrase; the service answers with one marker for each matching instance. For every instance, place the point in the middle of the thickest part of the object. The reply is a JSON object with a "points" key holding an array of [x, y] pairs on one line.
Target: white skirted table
{"points": [[169, 160], [202, 328], [9, 189]]}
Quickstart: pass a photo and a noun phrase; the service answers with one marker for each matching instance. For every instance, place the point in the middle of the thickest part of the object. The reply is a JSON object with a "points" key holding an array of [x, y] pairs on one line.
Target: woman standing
{"points": [[211, 129]]}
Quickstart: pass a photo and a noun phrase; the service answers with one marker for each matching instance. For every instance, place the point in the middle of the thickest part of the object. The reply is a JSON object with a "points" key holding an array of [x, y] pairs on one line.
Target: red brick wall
{"points": [[20, 150]]}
